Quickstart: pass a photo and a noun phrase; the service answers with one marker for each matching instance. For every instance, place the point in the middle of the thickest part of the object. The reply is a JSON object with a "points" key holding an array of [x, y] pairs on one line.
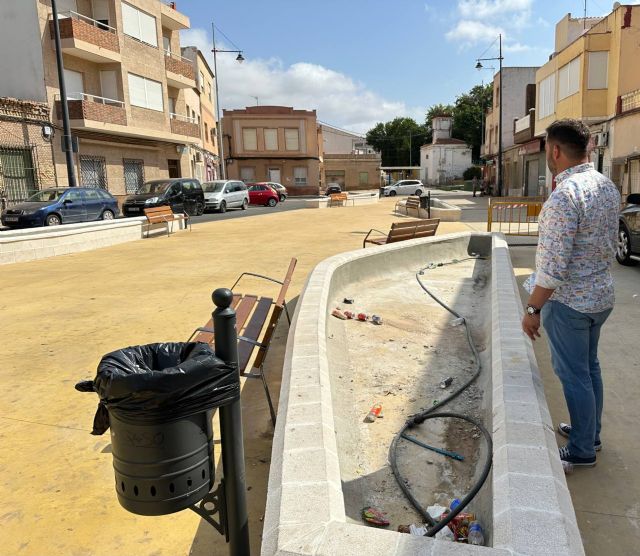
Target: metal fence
{"points": [[133, 175], [93, 172], [516, 216], [18, 174]]}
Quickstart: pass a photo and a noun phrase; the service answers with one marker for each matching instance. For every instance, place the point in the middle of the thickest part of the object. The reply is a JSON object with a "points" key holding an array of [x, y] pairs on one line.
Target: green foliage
{"points": [[398, 141], [472, 172]]}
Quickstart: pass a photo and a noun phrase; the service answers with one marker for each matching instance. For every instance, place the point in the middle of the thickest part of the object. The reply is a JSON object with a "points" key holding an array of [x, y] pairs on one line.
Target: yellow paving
{"points": [[59, 315]]}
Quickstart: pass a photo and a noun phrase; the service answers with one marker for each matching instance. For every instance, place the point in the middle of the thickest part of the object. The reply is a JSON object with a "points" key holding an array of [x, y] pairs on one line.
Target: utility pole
{"points": [[500, 174], [223, 170], [67, 139]]}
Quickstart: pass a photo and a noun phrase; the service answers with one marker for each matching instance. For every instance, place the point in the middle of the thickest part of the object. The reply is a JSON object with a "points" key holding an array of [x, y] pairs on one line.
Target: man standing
{"points": [[474, 185], [572, 287]]}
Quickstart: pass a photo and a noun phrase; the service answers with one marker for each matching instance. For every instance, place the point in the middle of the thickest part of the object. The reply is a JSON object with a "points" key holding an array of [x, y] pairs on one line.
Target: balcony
{"points": [[180, 72], [523, 128], [629, 101], [87, 38], [172, 18], [90, 111], [183, 125]]}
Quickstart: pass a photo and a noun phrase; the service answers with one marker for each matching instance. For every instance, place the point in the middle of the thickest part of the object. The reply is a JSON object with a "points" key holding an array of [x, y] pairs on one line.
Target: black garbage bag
{"points": [[156, 383]]}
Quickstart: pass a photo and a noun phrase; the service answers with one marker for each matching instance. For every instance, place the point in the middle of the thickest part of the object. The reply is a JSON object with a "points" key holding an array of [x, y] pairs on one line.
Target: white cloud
{"points": [[338, 99], [517, 47], [468, 33], [480, 9]]}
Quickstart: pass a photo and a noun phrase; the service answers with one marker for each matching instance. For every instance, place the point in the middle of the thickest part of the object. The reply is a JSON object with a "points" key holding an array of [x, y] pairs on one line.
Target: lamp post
{"points": [[480, 66], [482, 130], [239, 59], [67, 139]]}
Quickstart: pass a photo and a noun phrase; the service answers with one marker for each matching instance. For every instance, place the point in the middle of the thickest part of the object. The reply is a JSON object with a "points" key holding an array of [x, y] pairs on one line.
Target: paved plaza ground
{"points": [[59, 315]]}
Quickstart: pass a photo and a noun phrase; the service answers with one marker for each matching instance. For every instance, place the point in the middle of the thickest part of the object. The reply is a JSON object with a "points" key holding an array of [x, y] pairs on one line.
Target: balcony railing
{"points": [[83, 106], [184, 125], [523, 128], [182, 118], [77, 26], [630, 101], [522, 124], [179, 64]]}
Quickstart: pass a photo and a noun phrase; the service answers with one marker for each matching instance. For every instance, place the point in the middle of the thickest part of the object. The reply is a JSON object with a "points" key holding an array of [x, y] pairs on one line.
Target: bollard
{"points": [[231, 439]]}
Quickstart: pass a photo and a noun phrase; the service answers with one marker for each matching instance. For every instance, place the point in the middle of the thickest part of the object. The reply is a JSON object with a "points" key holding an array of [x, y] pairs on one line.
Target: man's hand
{"points": [[531, 325]]}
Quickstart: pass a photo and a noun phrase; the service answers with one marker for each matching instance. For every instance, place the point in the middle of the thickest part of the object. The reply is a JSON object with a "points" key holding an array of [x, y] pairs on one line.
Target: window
{"points": [[145, 93], [93, 171], [547, 97], [598, 68], [166, 45], [300, 175], [139, 25], [206, 129], [133, 175], [92, 195], [270, 139], [74, 196], [202, 82], [74, 84], [363, 178], [292, 141], [249, 139], [213, 135], [569, 79], [248, 173], [210, 92]]}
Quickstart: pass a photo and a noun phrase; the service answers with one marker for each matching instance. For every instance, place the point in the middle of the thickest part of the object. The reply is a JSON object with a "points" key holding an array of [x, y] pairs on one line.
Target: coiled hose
{"points": [[431, 413]]}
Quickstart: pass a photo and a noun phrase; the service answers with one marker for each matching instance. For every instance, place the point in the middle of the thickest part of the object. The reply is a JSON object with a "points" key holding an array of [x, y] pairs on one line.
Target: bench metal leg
{"points": [[266, 391]]}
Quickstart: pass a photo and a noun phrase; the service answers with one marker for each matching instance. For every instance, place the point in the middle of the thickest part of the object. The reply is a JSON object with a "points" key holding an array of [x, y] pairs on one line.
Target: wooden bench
{"points": [[401, 231], [252, 312], [341, 198], [412, 202], [163, 215]]}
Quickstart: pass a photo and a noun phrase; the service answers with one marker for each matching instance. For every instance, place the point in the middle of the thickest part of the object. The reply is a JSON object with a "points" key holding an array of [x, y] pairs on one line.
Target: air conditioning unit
{"points": [[602, 139]]}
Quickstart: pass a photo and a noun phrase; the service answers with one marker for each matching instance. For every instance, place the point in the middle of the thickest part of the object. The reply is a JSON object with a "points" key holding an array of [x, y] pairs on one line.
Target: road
{"points": [[289, 204]]}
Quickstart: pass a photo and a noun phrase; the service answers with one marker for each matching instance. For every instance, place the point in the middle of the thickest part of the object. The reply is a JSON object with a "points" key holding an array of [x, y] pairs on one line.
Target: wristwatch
{"points": [[531, 310]]}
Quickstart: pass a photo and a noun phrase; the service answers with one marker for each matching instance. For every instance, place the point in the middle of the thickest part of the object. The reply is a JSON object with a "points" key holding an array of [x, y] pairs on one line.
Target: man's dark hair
{"points": [[572, 136]]}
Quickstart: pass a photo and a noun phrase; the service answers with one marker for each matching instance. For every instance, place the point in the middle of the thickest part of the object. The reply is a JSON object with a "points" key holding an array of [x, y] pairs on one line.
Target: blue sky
{"points": [[359, 62]]}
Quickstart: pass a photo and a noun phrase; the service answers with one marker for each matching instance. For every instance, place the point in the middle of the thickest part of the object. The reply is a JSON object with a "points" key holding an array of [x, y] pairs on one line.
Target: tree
{"points": [[435, 111], [398, 141], [468, 118]]}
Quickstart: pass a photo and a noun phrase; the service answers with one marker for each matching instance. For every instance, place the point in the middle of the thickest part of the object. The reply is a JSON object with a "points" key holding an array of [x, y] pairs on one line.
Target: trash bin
{"points": [[157, 400]]}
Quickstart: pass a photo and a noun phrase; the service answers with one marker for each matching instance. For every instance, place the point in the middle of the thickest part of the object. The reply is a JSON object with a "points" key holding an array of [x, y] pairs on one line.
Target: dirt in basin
{"points": [[400, 364]]}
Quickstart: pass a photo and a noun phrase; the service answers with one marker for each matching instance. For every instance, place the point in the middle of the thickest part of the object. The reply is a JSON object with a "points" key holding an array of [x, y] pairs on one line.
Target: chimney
{"points": [[441, 126]]}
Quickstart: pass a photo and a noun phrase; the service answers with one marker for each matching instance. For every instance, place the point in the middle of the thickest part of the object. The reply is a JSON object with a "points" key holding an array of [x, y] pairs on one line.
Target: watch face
{"points": [[531, 311]]}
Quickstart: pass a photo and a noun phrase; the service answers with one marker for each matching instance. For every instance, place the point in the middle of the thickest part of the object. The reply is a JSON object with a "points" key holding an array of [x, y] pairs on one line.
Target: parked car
{"points": [[181, 194], [628, 251], [280, 189], [221, 195], [404, 187], [62, 205], [262, 194], [333, 188]]}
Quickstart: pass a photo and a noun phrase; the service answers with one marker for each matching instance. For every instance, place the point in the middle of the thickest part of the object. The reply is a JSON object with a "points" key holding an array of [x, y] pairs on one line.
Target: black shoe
{"points": [[565, 455], [564, 429]]}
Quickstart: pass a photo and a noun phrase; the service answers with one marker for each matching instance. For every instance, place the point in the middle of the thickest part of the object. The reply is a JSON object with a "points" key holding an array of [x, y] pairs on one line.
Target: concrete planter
{"points": [[356, 199]]}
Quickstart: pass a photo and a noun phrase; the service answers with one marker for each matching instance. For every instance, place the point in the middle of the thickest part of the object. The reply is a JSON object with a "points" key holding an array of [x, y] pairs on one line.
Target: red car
{"points": [[262, 194]]}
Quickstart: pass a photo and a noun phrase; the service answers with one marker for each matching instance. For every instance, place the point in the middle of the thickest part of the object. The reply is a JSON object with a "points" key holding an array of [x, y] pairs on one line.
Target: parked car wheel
{"points": [[53, 220], [272, 202], [245, 204], [199, 209], [418, 192], [392, 193], [223, 207], [623, 251], [108, 215], [282, 198]]}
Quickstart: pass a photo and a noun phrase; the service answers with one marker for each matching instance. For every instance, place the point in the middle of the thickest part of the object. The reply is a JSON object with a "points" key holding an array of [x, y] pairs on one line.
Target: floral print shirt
{"points": [[578, 230]]}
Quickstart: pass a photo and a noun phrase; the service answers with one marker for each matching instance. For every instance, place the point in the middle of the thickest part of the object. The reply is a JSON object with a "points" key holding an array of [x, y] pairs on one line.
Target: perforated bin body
{"points": [[162, 468]]}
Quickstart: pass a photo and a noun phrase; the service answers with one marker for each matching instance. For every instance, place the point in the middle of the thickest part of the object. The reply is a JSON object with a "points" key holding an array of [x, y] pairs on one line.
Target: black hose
{"points": [[419, 418]]}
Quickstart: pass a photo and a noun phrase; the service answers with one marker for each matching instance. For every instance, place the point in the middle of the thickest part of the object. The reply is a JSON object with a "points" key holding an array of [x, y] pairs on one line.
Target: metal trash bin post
{"points": [[425, 203], [231, 439]]}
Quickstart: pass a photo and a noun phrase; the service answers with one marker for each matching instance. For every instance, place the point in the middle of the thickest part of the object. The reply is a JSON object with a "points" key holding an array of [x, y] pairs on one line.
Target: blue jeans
{"points": [[573, 342]]}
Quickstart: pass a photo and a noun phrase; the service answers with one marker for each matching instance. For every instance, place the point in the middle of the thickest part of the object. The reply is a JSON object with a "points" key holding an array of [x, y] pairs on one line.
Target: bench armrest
{"points": [[255, 276], [369, 233]]}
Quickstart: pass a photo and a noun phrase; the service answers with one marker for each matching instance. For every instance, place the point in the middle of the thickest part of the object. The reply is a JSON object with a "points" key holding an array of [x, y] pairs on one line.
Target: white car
{"points": [[221, 195], [404, 187]]}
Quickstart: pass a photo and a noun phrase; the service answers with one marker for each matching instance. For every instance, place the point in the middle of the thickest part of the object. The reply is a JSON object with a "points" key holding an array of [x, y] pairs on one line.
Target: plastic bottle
{"points": [[445, 534], [476, 536], [374, 413], [454, 503]]}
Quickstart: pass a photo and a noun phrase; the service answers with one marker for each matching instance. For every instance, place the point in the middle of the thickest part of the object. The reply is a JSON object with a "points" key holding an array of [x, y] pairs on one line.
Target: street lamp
{"points": [[480, 66], [239, 59]]}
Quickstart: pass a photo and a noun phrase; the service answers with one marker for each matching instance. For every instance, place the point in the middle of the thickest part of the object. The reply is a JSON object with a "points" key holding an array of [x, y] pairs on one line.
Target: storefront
{"points": [[534, 168]]}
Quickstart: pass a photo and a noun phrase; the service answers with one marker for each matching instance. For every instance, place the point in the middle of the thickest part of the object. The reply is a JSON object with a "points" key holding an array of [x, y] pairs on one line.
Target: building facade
{"points": [[593, 76], [274, 143], [446, 158], [125, 82]]}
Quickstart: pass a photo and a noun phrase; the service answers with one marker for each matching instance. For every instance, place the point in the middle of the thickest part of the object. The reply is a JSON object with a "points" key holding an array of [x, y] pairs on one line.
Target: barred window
{"points": [[93, 171], [133, 175]]}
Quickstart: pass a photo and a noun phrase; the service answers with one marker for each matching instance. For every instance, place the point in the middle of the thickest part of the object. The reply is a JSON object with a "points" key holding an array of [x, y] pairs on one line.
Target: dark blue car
{"points": [[62, 205]]}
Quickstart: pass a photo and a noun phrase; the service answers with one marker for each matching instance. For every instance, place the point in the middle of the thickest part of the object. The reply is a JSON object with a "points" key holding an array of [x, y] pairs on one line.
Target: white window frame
{"points": [[137, 25], [569, 79], [270, 145], [598, 70], [299, 180], [291, 141], [147, 102], [252, 134], [547, 96]]}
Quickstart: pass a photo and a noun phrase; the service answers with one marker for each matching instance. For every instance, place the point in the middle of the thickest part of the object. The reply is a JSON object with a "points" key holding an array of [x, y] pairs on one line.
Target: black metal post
{"points": [[500, 174], [226, 347], [68, 142]]}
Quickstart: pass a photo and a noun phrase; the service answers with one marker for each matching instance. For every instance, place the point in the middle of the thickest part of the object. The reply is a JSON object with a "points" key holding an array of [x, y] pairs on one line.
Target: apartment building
{"points": [[514, 81], [348, 160], [274, 143], [125, 82], [593, 76], [204, 155]]}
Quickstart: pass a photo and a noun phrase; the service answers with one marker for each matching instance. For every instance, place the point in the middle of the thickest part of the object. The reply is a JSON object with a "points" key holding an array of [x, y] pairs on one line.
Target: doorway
{"points": [[174, 168], [531, 188], [274, 175]]}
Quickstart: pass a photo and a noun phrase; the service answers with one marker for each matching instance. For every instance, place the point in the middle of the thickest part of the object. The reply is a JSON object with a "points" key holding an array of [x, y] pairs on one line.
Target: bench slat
{"points": [[244, 310], [207, 337], [245, 349]]}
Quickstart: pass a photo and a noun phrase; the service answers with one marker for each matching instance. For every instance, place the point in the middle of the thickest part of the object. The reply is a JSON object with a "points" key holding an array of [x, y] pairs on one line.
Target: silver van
{"points": [[221, 195]]}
